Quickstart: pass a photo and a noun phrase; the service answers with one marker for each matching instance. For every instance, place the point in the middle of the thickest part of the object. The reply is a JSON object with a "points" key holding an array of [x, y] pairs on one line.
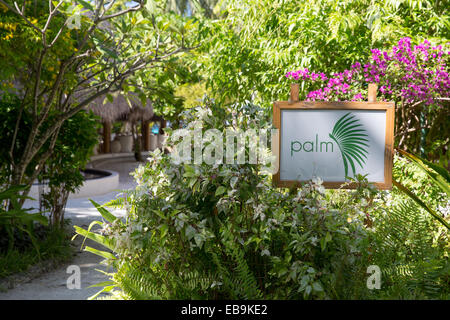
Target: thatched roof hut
{"points": [[122, 108]]}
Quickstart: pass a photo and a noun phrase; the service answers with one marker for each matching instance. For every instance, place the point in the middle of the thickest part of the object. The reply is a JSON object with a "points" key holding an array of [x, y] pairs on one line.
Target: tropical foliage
{"points": [[207, 230], [62, 171], [61, 56], [13, 219], [259, 41], [213, 231]]}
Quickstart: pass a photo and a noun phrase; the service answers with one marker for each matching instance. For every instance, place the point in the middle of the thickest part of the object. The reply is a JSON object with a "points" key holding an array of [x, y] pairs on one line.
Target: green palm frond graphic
{"points": [[352, 140]]}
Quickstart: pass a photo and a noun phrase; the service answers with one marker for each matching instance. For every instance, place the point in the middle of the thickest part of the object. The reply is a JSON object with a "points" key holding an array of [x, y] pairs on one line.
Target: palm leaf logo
{"points": [[351, 138]]}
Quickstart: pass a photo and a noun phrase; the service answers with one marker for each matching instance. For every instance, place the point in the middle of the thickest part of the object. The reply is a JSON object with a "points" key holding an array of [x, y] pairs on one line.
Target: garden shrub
{"points": [[17, 225], [410, 245], [9, 104], [222, 230], [74, 145], [27, 237], [61, 171]]}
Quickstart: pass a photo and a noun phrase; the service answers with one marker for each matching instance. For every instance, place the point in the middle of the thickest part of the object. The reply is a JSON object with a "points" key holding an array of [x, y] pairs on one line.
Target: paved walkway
{"points": [[53, 285]]}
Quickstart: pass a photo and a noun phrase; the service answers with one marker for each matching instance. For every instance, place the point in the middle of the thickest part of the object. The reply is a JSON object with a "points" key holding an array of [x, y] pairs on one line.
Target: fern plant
{"points": [[233, 271], [200, 231], [409, 255], [439, 177], [14, 218]]}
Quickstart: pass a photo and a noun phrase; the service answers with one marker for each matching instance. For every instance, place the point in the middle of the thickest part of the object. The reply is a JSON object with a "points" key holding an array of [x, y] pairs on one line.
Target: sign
{"points": [[334, 141]]}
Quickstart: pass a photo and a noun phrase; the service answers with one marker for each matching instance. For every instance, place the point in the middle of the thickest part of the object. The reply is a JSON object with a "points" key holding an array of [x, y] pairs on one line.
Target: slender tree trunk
{"points": [[19, 170], [136, 142]]}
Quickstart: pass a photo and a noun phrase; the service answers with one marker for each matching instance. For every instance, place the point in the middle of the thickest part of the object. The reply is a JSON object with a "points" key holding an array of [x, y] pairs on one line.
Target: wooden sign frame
{"points": [[294, 104]]}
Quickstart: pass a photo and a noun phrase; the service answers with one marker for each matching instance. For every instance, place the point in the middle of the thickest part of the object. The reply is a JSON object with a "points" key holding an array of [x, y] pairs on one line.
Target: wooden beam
{"points": [[372, 94], [145, 135], [294, 94], [106, 137], [163, 125]]}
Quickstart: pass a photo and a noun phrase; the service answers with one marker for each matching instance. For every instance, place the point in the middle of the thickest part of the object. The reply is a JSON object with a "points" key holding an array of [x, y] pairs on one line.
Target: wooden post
{"points": [[163, 125], [295, 89], [106, 137], [372, 94], [145, 135], [371, 97]]}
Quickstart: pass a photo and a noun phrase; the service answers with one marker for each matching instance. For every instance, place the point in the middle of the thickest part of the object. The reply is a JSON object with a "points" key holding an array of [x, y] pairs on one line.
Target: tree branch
{"points": [[42, 160], [16, 129], [18, 12], [120, 13]]}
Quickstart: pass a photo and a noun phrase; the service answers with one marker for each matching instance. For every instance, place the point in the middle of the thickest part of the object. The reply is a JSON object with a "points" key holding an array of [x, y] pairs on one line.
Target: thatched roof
{"points": [[122, 109]]}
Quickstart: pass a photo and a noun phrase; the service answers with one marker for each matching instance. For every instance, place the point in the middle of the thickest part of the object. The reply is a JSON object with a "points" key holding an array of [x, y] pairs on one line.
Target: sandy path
{"points": [[53, 285]]}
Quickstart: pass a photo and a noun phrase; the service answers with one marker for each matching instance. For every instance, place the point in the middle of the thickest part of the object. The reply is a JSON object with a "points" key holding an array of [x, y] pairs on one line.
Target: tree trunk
{"points": [[136, 142]]}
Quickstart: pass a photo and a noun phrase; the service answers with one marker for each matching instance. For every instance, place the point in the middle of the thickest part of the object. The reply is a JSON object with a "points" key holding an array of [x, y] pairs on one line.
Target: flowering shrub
{"points": [[414, 74], [415, 77]]}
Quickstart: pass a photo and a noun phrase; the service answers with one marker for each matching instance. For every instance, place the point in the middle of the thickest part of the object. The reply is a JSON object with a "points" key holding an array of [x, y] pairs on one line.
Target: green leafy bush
{"points": [[61, 169], [75, 142], [412, 250], [15, 222], [260, 40], [410, 241], [54, 249], [9, 104], [222, 231]]}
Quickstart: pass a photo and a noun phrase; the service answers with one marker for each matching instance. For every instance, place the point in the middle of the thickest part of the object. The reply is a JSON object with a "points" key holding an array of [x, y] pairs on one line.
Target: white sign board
{"points": [[334, 141]]}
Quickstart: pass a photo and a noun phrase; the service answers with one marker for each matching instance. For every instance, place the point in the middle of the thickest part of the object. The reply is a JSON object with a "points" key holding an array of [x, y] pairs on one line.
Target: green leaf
{"points": [[438, 174], [164, 229], [104, 254], [308, 290], [86, 5], [198, 240], [317, 287], [189, 171], [108, 216], [190, 232], [102, 284], [110, 97], [220, 190], [233, 181], [109, 243], [150, 6], [421, 203], [105, 289]]}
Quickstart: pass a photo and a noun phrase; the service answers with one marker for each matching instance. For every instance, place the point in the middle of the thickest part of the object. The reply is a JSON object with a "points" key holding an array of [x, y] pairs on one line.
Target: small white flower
{"points": [[317, 180]]}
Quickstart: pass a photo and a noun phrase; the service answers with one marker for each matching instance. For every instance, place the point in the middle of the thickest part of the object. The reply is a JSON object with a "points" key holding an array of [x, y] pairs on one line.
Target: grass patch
{"points": [[54, 245]]}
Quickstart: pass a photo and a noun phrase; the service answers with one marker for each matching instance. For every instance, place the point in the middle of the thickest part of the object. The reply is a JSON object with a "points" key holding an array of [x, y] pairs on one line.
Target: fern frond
{"points": [[139, 285], [116, 203], [407, 256], [248, 287]]}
